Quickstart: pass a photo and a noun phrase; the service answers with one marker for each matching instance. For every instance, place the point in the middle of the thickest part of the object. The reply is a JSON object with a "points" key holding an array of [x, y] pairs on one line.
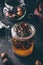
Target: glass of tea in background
{"points": [[14, 10]]}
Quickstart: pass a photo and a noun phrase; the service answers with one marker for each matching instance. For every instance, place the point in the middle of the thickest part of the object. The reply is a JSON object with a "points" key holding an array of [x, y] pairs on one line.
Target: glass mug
{"points": [[22, 38]]}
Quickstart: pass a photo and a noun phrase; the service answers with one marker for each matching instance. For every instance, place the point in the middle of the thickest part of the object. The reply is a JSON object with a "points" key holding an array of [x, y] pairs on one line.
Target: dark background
{"points": [[6, 46]]}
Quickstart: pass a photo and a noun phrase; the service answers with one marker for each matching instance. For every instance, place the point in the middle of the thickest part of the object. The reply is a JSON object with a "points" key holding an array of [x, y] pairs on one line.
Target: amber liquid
{"points": [[22, 48]]}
